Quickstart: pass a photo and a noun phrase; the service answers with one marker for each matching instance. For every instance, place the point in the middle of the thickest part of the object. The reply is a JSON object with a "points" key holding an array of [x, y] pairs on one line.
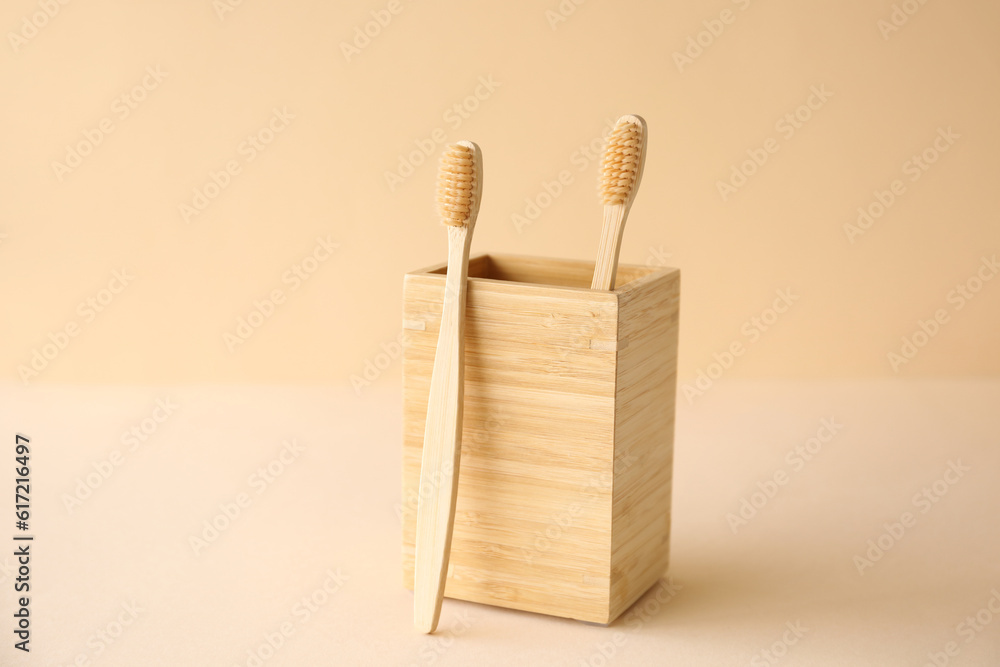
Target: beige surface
{"points": [[545, 88], [333, 509]]}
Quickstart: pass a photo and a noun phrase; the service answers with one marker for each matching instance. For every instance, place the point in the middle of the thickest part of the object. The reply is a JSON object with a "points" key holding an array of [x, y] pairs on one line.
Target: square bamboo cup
{"points": [[567, 443]]}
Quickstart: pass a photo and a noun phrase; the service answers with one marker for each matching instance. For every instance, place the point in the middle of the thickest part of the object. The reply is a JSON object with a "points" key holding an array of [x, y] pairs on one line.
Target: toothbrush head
{"points": [[621, 166], [459, 184]]}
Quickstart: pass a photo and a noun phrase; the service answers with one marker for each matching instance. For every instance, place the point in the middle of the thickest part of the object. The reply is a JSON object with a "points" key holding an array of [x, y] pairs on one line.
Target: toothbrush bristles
{"points": [[456, 182], [621, 161]]}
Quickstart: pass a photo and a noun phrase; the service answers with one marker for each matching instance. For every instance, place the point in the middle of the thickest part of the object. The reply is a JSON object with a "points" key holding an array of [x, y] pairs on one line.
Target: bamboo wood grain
{"points": [[563, 501], [439, 469], [530, 270], [611, 240], [644, 423]]}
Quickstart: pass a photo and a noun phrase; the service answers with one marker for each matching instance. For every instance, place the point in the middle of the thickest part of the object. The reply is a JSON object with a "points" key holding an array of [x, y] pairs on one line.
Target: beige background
{"points": [[354, 119], [111, 235]]}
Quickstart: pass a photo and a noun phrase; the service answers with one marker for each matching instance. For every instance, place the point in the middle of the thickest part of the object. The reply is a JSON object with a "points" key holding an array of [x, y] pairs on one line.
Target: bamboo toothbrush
{"points": [[621, 171], [460, 184]]}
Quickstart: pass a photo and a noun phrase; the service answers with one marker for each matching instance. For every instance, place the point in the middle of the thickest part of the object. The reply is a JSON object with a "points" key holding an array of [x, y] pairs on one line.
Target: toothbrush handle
{"points": [[442, 449], [607, 252]]}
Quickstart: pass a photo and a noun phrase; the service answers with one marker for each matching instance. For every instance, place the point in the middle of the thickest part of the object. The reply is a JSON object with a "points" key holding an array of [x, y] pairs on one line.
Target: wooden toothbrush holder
{"points": [[567, 441]]}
